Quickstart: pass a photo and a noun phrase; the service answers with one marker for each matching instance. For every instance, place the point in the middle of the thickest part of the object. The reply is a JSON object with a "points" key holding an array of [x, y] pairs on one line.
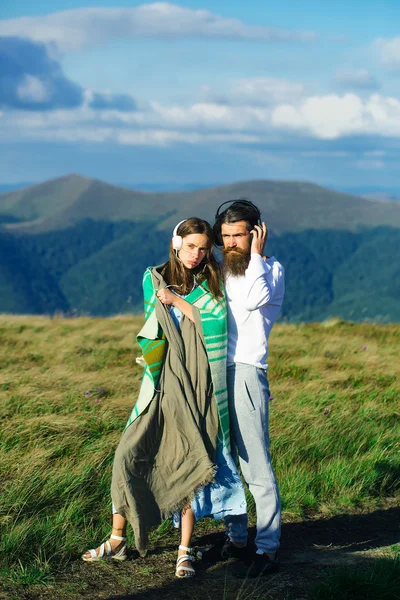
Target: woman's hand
{"points": [[169, 299], [166, 297], [260, 235]]}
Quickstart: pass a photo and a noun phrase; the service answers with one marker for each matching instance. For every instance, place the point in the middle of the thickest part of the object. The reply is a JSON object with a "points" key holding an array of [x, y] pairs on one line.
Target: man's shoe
{"points": [[230, 551], [226, 552], [257, 566]]}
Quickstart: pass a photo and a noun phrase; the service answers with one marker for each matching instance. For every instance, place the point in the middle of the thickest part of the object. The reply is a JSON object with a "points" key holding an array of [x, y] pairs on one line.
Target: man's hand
{"points": [[260, 235], [166, 297]]}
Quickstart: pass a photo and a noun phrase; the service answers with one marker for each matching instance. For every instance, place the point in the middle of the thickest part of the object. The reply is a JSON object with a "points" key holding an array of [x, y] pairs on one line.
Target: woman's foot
{"points": [[184, 567], [115, 548]]}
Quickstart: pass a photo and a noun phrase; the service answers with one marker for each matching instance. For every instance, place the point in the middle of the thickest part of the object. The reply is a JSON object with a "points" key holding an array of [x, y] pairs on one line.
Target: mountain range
{"points": [[76, 244]]}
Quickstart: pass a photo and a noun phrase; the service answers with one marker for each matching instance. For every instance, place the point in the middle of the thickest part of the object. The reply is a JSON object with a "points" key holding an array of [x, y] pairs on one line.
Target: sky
{"points": [[201, 92]]}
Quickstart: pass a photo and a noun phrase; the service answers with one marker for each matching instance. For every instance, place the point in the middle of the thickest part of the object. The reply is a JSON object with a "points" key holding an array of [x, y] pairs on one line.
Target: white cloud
{"points": [[266, 157], [378, 153], [332, 116], [325, 117], [370, 164], [32, 89], [356, 79], [326, 154], [78, 28], [389, 50], [162, 137], [257, 91], [203, 115], [329, 117], [76, 134]]}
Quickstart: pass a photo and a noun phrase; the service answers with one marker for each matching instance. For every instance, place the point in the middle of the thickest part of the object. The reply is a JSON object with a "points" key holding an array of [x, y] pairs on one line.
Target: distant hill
{"points": [[63, 202], [25, 285], [365, 191], [382, 197], [286, 206], [9, 187], [77, 244]]}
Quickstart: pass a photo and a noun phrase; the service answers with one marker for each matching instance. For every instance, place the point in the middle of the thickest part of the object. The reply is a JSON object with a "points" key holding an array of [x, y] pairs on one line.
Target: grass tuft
{"points": [[381, 580]]}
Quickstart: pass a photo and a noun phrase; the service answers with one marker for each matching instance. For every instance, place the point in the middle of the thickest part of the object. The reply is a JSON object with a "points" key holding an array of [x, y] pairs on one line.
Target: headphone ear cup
{"points": [[217, 235], [177, 242]]}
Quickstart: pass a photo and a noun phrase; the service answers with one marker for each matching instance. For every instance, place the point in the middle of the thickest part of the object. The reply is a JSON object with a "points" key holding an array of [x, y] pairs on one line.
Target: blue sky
{"points": [[200, 91]]}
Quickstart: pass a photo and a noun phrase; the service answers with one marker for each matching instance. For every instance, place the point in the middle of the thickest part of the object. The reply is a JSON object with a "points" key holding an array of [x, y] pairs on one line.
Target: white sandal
{"points": [[189, 571], [106, 551]]}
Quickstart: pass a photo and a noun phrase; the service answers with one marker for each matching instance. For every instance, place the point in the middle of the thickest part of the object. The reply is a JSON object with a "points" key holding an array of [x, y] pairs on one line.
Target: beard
{"points": [[235, 261]]}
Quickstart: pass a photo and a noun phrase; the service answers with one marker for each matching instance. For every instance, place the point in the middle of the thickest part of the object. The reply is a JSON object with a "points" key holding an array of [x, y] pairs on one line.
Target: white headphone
{"points": [[177, 240]]}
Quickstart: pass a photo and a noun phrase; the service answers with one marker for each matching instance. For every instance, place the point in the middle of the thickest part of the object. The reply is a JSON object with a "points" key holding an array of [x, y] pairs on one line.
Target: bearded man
{"points": [[254, 290]]}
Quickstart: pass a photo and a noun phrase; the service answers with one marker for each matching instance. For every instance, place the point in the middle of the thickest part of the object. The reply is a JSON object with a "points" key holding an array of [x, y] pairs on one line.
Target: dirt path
{"points": [[309, 549]]}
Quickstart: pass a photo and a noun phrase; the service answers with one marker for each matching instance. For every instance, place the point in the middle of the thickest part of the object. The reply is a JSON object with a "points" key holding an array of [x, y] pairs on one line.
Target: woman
{"points": [[174, 453]]}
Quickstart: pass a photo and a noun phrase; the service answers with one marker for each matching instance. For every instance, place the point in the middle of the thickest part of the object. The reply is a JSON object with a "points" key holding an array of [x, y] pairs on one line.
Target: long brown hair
{"points": [[183, 279]]}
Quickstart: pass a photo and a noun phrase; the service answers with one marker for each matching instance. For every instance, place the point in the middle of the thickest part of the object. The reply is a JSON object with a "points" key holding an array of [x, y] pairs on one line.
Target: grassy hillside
{"points": [[66, 390], [45, 199], [25, 284], [64, 202], [96, 268], [289, 206], [110, 280], [82, 245], [340, 273], [286, 206]]}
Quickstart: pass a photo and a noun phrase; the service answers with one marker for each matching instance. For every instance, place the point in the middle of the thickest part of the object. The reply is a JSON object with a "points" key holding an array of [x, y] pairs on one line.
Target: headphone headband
{"points": [[175, 232], [177, 239], [239, 201], [217, 225]]}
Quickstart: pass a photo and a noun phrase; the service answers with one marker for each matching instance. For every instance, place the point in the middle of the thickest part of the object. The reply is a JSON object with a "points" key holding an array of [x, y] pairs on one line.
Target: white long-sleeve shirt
{"points": [[254, 301]]}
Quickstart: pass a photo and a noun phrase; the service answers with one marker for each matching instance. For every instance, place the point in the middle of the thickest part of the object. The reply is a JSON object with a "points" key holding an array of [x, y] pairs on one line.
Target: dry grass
{"points": [[67, 388]]}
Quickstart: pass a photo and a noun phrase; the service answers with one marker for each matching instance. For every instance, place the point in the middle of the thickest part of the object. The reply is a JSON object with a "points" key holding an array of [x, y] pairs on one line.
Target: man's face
{"points": [[236, 235], [236, 251]]}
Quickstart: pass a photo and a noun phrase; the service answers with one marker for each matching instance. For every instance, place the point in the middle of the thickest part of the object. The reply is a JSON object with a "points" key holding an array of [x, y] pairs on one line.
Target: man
{"points": [[254, 290]]}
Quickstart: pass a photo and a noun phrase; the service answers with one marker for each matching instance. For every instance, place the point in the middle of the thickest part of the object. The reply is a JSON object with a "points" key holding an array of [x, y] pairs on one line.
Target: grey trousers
{"points": [[248, 393]]}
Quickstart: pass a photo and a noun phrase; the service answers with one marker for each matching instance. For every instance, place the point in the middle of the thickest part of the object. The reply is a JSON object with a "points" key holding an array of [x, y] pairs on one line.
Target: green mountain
{"points": [[286, 206], [340, 273], [43, 200], [25, 285], [76, 244], [64, 202]]}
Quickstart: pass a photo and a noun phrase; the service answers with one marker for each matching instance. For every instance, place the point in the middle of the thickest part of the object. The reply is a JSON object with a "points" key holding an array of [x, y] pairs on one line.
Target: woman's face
{"points": [[194, 248]]}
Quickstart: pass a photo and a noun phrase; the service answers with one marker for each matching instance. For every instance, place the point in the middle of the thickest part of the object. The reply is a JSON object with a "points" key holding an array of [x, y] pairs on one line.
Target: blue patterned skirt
{"points": [[223, 497]]}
